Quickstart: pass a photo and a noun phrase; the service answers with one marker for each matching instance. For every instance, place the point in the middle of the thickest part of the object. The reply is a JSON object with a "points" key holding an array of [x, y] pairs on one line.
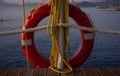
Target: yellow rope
{"points": [[54, 32], [24, 17], [36, 7], [75, 3], [23, 11]]}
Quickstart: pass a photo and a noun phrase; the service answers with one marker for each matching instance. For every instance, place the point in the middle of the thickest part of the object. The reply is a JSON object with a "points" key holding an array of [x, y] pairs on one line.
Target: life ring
{"points": [[87, 38]]}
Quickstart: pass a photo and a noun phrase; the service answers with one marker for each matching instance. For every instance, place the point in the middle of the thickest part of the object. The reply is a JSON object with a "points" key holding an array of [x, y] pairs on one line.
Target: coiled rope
{"points": [[59, 13]]}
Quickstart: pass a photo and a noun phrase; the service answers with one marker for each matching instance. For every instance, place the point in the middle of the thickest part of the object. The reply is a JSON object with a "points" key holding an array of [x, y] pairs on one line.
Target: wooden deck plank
{"points": [[91, 72], [27, 72], [39, 72], [68, 74], [105, 72], [4, 71], [14, 72], [51, 73], [48, 72], [116, 71], [80, 72]]}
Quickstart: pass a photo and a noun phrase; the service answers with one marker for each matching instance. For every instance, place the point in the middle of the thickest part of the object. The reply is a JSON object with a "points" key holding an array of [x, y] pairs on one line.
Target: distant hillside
{"points": [[105, 2], [30, 4], [81, 4], [85, 4], [109, 2], [4, 4]]}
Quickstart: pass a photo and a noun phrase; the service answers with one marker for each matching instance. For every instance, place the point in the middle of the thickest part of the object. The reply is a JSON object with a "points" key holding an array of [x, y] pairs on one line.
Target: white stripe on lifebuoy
{"points": [[88, 36], [26, 42]]}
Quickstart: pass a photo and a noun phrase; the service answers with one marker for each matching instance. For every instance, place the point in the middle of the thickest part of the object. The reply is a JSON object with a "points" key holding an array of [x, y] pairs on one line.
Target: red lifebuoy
{"points": [[86, 43]]}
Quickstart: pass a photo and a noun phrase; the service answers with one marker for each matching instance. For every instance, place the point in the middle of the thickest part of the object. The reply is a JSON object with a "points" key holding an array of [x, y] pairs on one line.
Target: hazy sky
{"points": [[19, 1]]}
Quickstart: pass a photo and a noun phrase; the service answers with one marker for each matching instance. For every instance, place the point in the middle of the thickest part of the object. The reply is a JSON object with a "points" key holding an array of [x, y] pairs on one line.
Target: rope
{"points": [[14, 32], [24, 18], [59, 13], [93, 29], [36, 7], [75, 4]]}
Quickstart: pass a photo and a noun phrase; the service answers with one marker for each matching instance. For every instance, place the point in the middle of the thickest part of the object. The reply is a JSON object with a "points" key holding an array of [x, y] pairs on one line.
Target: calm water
{"points": [[106, 51]]}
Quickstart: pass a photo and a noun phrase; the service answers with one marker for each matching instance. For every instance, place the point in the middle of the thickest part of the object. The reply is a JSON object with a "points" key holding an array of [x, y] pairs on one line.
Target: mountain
{"points": [[30, 4], [109, 2], [85, 4], [81, 4], [4, 4], [99, 3]]}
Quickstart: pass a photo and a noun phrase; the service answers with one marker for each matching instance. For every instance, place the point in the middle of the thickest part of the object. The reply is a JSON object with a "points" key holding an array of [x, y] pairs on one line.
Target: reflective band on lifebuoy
{"points": [[26, 42], [82, 53], [89, 36]]}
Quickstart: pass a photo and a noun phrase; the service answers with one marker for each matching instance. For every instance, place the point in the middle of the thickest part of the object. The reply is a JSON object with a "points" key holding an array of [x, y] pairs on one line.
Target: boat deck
{"points": [[48, 72]]}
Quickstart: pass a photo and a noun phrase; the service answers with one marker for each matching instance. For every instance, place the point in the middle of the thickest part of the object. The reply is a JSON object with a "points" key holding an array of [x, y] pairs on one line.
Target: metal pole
{"points": [[61, 39]]}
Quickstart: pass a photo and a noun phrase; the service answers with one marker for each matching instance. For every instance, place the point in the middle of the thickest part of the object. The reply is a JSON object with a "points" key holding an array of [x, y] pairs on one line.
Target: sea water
{"points": [[106, 50]]}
